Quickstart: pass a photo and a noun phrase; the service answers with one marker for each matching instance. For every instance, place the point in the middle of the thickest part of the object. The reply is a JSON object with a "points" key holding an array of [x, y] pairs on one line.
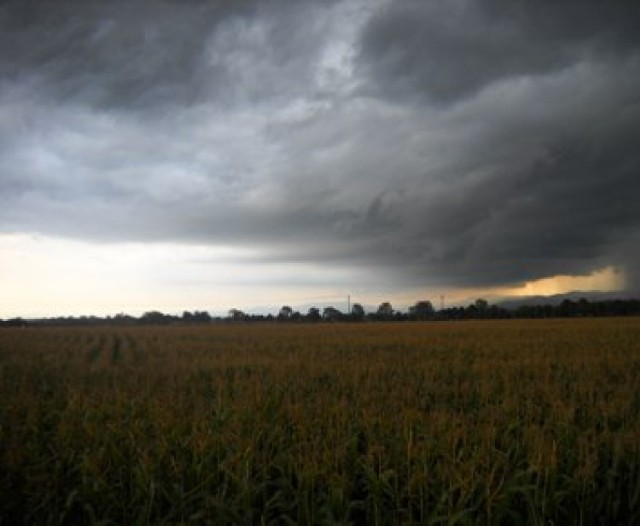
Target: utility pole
{"points": [[348, 304], [442, 302]]}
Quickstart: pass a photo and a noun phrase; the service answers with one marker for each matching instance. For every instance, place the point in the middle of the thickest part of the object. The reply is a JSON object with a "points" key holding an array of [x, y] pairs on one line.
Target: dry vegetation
{"points": [[512, 422]]}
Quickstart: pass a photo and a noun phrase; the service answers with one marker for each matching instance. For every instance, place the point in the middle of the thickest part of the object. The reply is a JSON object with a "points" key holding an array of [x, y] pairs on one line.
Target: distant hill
{"points": [[557, 299]]}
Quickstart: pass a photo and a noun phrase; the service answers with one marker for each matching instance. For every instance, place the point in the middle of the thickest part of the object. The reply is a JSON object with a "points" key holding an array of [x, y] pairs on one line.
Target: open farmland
{"points": [[511, 422]]}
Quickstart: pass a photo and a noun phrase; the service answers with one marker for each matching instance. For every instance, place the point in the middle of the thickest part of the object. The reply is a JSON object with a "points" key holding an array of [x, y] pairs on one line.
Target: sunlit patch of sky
{"points": [[47, 276]]}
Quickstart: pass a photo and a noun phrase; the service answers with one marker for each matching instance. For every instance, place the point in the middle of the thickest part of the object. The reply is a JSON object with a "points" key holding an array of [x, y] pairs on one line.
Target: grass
{"points": [[502, 422]]}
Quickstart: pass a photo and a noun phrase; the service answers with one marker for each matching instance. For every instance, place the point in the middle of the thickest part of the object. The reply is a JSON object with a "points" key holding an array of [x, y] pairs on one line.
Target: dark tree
{"points": [[155, 317], [285, 312], [422, 310], [385, 311], [331, 314], [236, 315], [357, 312], [314, 314]]}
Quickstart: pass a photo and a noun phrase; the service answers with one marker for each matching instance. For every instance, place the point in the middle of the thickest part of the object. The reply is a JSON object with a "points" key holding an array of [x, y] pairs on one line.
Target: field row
{"points": [[506, 422]]}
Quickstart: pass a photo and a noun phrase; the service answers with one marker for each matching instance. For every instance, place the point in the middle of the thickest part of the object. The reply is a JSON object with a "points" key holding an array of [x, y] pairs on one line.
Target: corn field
{"points": [[486, 422]]}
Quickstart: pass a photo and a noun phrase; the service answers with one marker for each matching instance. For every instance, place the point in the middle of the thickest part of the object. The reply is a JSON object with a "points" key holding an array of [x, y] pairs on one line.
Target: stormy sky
{"points": [[218, 154]]}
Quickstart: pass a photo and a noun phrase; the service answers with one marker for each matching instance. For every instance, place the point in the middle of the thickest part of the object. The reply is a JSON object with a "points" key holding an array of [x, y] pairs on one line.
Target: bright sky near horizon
{"points": [[210, 154]]}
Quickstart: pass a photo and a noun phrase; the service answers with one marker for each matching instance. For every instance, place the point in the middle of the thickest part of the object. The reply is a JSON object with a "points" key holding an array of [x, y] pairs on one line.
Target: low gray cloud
{"points": [[441, 143], [448, 50], [133, 56]]}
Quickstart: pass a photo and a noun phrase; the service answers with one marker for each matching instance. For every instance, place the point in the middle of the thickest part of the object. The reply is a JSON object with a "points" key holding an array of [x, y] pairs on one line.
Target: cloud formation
{"points": [[465, 143], [449, 50]]}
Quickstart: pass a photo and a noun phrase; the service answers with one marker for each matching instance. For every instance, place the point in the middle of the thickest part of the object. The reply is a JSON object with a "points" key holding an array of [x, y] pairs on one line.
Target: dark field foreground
{"points": [[513, 422]]}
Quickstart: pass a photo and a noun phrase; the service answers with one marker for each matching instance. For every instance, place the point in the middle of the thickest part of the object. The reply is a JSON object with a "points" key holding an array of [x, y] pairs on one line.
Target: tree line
{"points": [[422, 310]]}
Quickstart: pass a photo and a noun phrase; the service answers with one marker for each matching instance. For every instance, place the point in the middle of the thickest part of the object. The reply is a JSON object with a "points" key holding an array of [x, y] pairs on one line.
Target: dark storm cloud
{"points": [[146, 53], [443, 143], [446, 50], [564, 190]]}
